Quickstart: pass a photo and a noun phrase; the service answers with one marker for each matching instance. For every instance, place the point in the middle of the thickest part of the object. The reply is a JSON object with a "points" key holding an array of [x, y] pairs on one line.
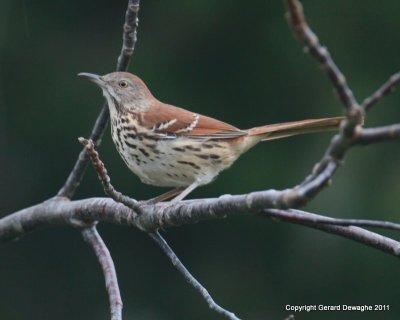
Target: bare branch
{"points": [[94, 240], [379, 134], [104, 178], [312, 218], [59, 211], [189, 277], [360, 235], [129, 40], [129, 37], [334, 155], [384, 90], [315, 184], [299, 25], [75, 177]]}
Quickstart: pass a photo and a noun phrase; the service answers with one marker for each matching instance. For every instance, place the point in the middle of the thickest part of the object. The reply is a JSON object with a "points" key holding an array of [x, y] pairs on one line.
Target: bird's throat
{"points": [[114, 103]]}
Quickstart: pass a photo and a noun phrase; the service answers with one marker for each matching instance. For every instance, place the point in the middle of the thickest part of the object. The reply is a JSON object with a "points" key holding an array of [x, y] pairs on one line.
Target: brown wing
{"points": [[171, 120]]}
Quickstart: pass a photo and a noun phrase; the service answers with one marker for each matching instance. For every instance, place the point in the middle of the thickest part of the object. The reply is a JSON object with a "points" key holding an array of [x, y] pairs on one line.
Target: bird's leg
{"points": [[165, 196], [184, 193], [181, 193]]}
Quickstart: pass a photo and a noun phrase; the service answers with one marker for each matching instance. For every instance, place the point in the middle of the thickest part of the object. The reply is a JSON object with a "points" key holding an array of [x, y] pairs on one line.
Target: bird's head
{"points": [[123, 90]]}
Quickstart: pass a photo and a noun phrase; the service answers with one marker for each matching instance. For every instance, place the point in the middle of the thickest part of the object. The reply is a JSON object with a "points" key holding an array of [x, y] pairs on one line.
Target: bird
{"points": [[168, 146]]}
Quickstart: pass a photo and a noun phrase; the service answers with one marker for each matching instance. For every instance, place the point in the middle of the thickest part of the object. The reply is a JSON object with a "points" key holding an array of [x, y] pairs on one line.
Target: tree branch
{"points": [[92, 237], [333, 226], [297, 21], [129, 36], [379, 134], [334, 155], [104, 178], [59, 211], [387, 88], [128, 45], [312, 218], [189, 277]]}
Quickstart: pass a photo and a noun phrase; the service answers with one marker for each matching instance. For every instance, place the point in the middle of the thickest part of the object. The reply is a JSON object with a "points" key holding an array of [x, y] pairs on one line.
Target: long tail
{"points": [[287, 129]]}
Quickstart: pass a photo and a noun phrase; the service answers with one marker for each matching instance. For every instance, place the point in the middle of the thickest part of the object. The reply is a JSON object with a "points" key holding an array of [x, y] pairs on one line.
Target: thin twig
{"points": [[104, 178], [312, 186], [94, 240], [384, 90], [339, 145], [298, 215], [129, 40], [360, 235], [379, 134], [299, 25], [76, 175], [129, 36], [189, 277]]}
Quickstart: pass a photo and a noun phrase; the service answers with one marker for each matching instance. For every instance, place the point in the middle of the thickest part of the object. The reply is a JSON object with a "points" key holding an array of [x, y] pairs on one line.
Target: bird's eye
{"points": [[123, 84]]}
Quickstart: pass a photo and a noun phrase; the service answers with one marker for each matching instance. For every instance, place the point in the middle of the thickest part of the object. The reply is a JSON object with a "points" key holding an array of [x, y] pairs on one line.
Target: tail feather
{"points": [[287, 129]]}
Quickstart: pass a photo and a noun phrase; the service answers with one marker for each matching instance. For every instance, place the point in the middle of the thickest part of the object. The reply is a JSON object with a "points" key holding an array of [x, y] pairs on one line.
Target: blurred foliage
{"points": [[232, 60]]}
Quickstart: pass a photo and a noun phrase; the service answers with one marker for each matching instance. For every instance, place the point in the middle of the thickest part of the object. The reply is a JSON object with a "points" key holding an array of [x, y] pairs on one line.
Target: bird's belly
{"points": [[174, 163]]}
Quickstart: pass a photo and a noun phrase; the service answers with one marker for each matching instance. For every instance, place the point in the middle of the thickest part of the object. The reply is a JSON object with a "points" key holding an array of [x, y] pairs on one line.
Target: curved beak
{"points": [[92, 77]]}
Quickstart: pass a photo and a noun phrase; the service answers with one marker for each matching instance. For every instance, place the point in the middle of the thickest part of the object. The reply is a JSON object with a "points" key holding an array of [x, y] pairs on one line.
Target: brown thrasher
{"points": [[167, 146]]}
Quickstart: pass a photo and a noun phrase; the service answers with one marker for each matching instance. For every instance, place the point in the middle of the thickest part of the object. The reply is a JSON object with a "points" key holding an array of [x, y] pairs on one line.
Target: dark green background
{"points": [[233, 60]]}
